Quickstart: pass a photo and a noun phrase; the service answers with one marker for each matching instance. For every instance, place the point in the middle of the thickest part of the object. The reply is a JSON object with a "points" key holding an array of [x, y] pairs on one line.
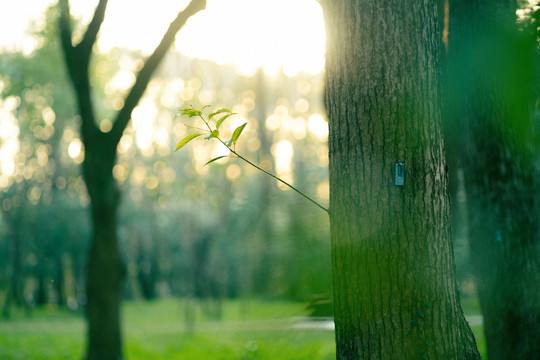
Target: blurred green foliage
{"points": [[220, 232]]}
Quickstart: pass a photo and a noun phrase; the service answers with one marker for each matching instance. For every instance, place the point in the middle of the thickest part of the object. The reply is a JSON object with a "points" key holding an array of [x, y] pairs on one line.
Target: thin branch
{"points": [[84, 47], [144, 76], [196, 128], [92, 30], [64, 24], [275, 177], [206, 122], [195, 112], [77, 67]]}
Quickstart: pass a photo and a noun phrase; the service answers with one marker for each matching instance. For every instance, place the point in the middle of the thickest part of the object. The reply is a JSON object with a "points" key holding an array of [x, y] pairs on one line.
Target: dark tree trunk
{"points": [[395, 292], [200, 266], [59, 281], [105, 266], [15, 288], [41, 291], [147, 276], [15, 291], [489, 87]]}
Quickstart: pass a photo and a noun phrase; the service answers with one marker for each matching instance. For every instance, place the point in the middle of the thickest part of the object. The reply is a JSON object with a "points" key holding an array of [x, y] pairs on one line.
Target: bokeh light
{"points": [[282, 33]]}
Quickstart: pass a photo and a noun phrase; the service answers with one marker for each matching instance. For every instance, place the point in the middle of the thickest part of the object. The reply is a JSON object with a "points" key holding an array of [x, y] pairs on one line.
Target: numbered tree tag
{"points": [[399, 174]]}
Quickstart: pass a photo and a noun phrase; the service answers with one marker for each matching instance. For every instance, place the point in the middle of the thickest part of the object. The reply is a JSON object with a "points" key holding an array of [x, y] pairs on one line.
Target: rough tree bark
{"points": [[105, 265], [489, 84], [394, 281]]}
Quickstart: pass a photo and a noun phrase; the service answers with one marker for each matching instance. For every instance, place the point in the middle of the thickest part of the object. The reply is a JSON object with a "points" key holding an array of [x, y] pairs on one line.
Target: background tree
{"points": [[393, 266], [105, 267], [490, 83], [42, 199]]}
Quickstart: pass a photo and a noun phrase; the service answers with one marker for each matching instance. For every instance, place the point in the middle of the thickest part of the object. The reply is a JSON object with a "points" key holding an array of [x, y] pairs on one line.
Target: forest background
{"points": [[202, 233]]}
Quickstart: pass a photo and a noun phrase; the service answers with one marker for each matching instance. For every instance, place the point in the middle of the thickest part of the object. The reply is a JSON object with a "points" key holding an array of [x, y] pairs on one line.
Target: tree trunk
{"points": [[14, 293], [41, 291], [105, 267], [60, 283], [263, 277], [394, 281], [105, 273], [490, 109]]}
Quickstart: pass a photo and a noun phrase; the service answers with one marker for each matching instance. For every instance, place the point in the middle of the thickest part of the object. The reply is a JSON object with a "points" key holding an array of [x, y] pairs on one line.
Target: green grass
{"points": [[47, 334], [157, 330], [471, 307], [478, 331], [248, 330]]}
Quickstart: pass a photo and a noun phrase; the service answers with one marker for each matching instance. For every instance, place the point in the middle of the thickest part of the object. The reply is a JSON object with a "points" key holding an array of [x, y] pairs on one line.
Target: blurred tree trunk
{"points": [[394, 282], [41, 291], [263, 277], [105, 266], [59, 280], [489, 86], [14, 293], [147, 275]]}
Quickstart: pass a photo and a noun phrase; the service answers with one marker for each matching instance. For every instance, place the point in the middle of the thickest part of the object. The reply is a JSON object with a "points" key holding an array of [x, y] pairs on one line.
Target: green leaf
{"points": [[237, 132], [204, 107], [185, 140], [222, 119], [213, 134], [215, 159], [414, 322], [228, 142], [420, 313], [190, 112], [218, 112]]}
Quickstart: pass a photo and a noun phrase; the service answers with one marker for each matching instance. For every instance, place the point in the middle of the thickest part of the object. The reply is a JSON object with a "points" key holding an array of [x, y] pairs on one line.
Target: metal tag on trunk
{"points": [[399, 174]]}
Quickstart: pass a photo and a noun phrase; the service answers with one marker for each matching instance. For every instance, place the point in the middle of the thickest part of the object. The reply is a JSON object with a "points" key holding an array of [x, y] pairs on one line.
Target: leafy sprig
{"points": [[212, 132]]}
